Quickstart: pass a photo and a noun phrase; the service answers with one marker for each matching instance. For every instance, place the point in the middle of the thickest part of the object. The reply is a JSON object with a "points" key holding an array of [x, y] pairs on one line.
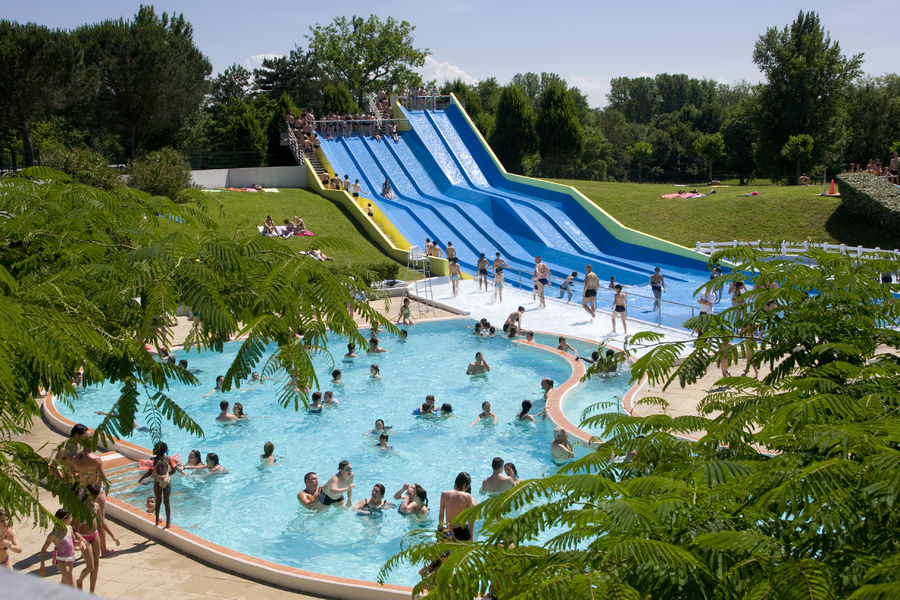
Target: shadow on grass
{"points": [[853, 230]]}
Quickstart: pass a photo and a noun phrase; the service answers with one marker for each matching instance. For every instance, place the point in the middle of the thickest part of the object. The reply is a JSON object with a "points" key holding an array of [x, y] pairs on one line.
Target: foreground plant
{"points": [[790, 492]]}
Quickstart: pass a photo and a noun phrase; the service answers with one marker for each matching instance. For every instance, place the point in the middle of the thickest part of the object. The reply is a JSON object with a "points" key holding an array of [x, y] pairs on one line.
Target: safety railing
{"points": [[416, 102], [355, 127], [788, 248]]}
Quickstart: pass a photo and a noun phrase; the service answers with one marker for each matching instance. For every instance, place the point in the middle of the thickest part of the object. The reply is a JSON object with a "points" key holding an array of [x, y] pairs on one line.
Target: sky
{"points": [[587, 43]]}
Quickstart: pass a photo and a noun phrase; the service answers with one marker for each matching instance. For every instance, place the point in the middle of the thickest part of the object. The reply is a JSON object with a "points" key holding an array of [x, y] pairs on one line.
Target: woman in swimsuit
{"points": [[510, 469], [90, 531], [212, 463], [620, 302], [66, 542], [454, 275], [162, 475], [405, 317], [374, 505], [9, 541], [195, 461], [340, 482], [415, 500], [268, 455], [498, 284]]}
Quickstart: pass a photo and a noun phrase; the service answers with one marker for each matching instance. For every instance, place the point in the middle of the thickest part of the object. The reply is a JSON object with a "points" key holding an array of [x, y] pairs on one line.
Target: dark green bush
{"points": [[871, 198], [83, 164], [163, 172]]}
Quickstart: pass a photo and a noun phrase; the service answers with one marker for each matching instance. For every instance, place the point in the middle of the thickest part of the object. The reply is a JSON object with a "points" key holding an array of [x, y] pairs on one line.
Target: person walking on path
{"points": [[566, 286], [658, 285], [589, 296]]}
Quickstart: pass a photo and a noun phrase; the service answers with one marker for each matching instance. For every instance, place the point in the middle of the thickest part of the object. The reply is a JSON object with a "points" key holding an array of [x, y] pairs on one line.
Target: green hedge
{"points": [[871, 198]]}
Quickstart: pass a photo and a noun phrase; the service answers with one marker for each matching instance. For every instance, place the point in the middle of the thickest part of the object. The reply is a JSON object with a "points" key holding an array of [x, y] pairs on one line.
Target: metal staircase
{"points": [[418, 264]]}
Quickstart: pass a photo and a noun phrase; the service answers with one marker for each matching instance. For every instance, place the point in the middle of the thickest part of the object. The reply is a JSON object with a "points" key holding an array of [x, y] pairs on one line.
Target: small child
{"points": [[162, 470], [66, 541], [150, 505], [405, 315]]}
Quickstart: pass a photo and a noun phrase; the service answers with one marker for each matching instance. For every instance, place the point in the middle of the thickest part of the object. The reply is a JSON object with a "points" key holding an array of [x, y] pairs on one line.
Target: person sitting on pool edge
{"points": [[375, 504], [479, 367], [339, 484]]}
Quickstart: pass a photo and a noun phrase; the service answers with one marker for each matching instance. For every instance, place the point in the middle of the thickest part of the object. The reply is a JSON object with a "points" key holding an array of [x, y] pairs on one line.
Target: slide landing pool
{"points": [[448, 186]]}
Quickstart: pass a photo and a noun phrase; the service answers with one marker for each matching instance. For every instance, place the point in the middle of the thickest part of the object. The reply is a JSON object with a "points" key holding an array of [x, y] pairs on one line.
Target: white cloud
{"points": [[444, 71], [594, 88], [255, 61]]}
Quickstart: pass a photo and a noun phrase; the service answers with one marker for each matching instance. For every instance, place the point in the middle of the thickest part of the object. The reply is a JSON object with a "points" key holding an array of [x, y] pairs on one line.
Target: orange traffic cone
{"points": [[831, 192]]}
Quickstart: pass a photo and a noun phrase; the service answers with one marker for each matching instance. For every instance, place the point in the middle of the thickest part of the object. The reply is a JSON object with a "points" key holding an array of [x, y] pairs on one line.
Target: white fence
{"points": [[788, 248]]}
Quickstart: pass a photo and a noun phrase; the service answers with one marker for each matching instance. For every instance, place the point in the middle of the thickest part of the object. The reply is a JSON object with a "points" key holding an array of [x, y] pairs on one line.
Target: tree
{"points": [[813, 517], [513, 135], [91, 279], [234, 82], [151, 74], [297, 75], [560, 136], [40, 67], [739, 135], [807, 81], [636, 98], [799, 150], [873, 117], [367, 53], [641, 152], [336, 99], [711, 147]]}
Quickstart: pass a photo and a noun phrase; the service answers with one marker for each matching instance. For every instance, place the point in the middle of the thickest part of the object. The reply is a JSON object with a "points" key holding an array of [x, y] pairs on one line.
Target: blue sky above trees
{"points": [[588, 43]]}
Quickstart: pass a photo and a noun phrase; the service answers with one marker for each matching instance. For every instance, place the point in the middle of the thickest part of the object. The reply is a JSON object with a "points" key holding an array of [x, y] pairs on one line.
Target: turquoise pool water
{"points": [[254, 509]]}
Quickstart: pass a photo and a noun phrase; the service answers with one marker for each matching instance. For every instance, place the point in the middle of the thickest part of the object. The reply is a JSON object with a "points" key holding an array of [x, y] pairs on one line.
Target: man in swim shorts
{"points": [[514, 319], [224, 416], [542, 277], [482, 272], [454, 502], [591, 285], [658, 285]]}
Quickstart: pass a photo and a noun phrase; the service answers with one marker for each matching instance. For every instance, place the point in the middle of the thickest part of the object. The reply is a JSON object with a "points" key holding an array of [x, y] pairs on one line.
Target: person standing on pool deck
{"points": [[566, 286], [482, 272], [309, 496], [498, 285], [499, 263], [451, 251], [339, 484], [454, 502], [542, 275], [514, 319], [479, 367], [620, 303], [658, 285], [455, 275], [591, 285]]}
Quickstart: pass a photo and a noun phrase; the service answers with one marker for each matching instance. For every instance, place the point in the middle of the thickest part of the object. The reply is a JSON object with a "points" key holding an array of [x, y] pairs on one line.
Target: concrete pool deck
{"points": [[145, 568]]}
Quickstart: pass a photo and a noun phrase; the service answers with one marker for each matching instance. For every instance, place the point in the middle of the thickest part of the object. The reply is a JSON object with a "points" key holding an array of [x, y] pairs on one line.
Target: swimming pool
{"points": [[253, 509]]}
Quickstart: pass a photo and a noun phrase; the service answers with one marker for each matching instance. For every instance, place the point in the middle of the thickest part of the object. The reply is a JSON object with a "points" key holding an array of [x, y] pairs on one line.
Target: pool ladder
{"points": [[418, 264]]}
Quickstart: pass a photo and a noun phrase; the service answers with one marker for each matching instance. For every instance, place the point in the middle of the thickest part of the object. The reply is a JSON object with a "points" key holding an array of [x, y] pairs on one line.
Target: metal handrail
{"points": [[428, 102]]}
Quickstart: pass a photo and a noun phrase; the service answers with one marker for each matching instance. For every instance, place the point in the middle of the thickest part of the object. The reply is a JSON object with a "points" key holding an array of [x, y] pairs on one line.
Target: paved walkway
{"points": [[141, 568]]}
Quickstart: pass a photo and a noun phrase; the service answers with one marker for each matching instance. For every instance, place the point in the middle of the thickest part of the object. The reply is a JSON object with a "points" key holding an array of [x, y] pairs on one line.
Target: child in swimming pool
{"points": [[375, 372], [66, 542]]}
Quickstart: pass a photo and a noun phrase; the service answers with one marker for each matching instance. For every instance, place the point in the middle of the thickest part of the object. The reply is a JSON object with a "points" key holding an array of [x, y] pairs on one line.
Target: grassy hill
{"points": [[778, 213]]}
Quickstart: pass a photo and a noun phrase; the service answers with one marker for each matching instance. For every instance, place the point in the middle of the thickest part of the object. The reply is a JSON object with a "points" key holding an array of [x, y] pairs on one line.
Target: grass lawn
{"points": [[335, 232], [778, 213]]}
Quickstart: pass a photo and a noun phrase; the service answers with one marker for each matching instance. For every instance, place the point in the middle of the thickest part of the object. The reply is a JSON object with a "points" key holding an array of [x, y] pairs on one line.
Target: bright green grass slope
{"points": [[778, 213], [335, 232]]}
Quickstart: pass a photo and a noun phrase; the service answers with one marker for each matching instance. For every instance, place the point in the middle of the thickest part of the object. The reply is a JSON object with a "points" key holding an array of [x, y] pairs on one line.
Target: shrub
{"points": [[872, 199], [83, 164], [163, 172]]}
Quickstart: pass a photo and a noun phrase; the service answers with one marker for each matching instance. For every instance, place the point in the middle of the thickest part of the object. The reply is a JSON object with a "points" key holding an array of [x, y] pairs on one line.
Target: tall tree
{"points": [[641, 153], [807, 82], [39, 68], [513, 136], [873, 117], [711, 147], [636, 98], [151, 74], [739, 136], [298, 74], [234, 83], [560, 135], [649, 515], [799, 150], [366, 54]]}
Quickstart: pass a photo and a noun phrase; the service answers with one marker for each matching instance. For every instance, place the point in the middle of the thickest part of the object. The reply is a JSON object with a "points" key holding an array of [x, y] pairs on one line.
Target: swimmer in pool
{"points": [[383, 442], [316, 406], [498, 481], [309, 496], [374, 372], [380, 427], [351, 351], [479, 367], [428, 407], [375, 504], [454, 502], [565, 347], [220, 381], [547, 386], [402, 336], [340, 483], [486, 415], [336, 377], [510, 469], [414, 500], [224, 416], [560, 449]]}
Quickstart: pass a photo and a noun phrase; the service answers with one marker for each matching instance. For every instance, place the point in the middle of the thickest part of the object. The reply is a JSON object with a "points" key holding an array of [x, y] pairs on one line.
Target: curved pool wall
{"points": [[449, 186], [271, 571]]}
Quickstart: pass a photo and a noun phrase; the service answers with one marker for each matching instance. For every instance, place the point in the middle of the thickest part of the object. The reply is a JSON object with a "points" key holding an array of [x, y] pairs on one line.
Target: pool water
{"points": [[254, 509]]}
